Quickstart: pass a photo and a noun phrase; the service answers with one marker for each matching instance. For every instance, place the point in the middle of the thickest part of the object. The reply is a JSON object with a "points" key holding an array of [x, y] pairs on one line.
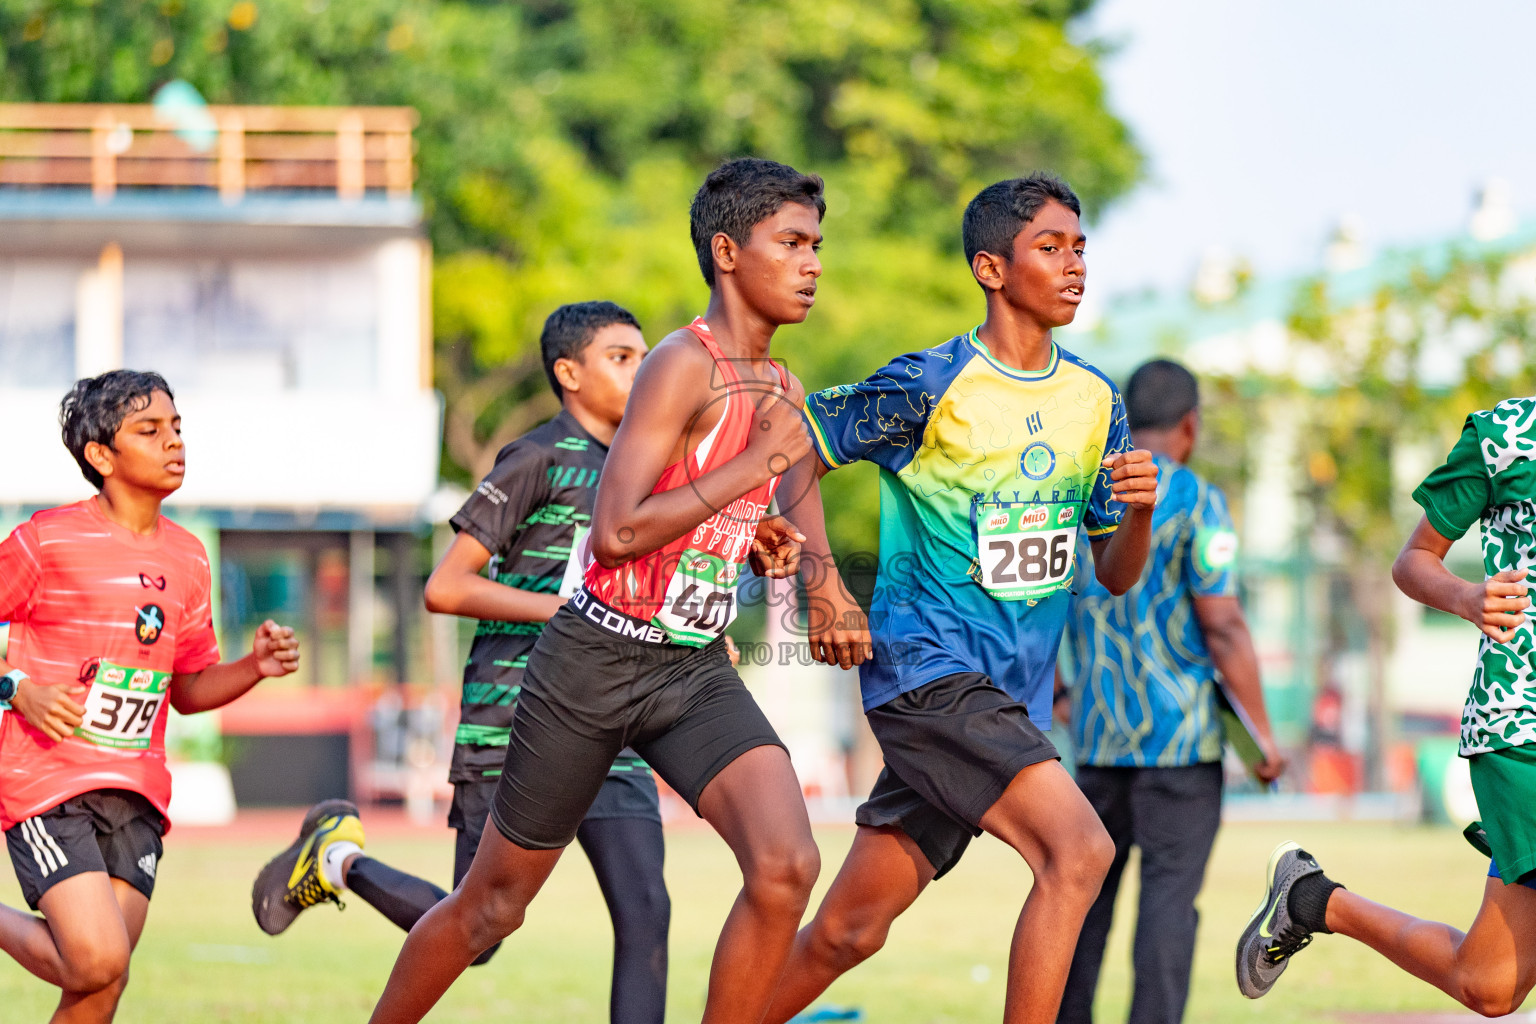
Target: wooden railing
{"points": [[348, 150]]}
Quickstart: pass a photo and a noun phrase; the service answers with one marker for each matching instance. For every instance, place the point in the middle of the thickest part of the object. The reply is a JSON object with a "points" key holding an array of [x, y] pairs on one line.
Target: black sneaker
{"points": [[1273, 936], [294, 880]]}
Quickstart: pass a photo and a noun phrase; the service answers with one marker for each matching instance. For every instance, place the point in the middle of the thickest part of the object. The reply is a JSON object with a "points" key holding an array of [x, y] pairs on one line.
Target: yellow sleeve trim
{"points": [[823, 446]]}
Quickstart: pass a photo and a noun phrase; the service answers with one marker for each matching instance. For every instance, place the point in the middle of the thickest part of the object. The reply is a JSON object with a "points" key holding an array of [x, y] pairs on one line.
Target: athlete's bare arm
{"points": [[457, 588], [669, 409], [776, 548], [1497, 606], [1119, 559], [836, 626], [49, 709], [274, 652]]}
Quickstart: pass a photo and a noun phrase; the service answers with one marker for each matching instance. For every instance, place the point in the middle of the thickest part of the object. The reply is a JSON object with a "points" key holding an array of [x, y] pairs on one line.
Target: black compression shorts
{"points": [[587, 694]]}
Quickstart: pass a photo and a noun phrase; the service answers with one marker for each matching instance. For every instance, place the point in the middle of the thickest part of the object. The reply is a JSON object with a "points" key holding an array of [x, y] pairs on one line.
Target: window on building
{"points": [[37, 321], [253, 324]]}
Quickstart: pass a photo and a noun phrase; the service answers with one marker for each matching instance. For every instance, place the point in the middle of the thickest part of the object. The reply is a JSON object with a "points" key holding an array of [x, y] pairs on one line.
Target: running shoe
{"points": [[294, 880], [1273, 936]]}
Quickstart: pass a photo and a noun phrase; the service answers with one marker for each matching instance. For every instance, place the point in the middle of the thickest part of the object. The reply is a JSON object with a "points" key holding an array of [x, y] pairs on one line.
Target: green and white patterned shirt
{"points": [[1490, 476]]}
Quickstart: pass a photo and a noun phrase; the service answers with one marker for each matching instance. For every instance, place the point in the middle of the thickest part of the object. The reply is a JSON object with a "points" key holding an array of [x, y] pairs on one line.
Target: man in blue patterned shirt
{"points": [[1144, 721]]}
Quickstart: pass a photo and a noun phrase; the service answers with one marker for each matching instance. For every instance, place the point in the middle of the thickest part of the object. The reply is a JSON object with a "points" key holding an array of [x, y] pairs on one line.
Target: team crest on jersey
{"points": [[1038, 460], [150, 622]]}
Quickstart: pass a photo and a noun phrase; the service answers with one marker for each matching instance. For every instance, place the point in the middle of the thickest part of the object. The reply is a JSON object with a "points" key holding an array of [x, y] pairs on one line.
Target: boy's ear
{"points": [[723, 248], [565, 373], [97, 455], [1191, 424], [988, 270]]}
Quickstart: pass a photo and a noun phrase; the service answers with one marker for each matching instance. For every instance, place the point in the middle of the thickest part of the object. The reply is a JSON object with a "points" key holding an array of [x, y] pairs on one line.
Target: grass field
{"points": [[203, 959]]}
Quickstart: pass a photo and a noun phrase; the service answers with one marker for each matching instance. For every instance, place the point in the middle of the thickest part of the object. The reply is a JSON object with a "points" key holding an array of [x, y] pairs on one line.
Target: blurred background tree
{"points": [[561, 141], [1419, 355]]}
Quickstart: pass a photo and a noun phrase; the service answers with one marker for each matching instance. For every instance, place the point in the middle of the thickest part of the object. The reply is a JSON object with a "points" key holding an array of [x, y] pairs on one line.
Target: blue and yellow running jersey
{"points": [[1142, 679], [987, 475]]}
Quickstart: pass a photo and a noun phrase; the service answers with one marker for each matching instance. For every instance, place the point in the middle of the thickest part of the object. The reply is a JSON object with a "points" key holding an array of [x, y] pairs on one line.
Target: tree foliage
{"points": [[561, 140], [1380, 391], [1398, 374]]}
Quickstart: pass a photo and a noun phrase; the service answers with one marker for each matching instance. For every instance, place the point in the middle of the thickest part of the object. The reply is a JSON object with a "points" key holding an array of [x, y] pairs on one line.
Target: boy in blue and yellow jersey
{"points": [[995, 448]]}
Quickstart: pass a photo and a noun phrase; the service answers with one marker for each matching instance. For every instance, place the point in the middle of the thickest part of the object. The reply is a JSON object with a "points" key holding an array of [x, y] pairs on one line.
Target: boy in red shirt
{"points": [[110, 612]]}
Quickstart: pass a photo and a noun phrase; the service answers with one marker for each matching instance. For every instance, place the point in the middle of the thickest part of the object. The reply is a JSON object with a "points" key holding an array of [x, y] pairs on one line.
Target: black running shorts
{"points": [[588, 692], [630, 794], [951, 747], [111, 830]]}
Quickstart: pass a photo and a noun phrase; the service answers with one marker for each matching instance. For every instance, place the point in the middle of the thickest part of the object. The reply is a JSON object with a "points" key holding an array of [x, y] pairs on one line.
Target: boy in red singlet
{"points": [[637, 656], [109, 605]]}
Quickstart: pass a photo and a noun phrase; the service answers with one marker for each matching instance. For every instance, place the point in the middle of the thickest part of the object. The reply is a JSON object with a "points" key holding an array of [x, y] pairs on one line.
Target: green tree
{"points": [[1386, 377], [561, 140]]}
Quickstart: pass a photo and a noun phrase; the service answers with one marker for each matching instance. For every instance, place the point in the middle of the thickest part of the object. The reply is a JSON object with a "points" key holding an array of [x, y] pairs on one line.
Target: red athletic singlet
{"points": [[92, 603], [688, 587]]}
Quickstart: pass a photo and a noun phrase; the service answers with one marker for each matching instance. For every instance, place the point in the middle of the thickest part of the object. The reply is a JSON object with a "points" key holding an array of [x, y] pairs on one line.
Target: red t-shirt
{"points": [[91, 602]]}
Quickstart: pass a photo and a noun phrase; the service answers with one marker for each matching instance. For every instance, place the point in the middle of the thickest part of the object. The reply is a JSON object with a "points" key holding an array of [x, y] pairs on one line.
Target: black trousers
{"points": [[1171, 815]]}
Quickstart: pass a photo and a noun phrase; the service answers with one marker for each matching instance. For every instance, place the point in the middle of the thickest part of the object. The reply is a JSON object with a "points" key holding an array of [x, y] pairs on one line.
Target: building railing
{"points": [[347, 150]]}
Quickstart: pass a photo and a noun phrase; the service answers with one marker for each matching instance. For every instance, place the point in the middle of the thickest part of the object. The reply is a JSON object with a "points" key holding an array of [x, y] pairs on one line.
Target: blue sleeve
{"points": [[882, 418], [1103, 515], [1210, 569]]}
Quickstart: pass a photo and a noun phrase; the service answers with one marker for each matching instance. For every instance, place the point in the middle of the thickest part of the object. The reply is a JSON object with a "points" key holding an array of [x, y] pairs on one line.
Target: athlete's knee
{"points": [[485, 958], [489, 917], [844, 943], [785, 873], [104, 965], [1077, 856]]}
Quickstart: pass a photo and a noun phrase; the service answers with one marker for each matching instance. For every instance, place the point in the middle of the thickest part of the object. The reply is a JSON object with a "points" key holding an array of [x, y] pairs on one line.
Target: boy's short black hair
{"points": [[570, 329], [1159, 394], [999, 212], [94, 410], [739, 194]]}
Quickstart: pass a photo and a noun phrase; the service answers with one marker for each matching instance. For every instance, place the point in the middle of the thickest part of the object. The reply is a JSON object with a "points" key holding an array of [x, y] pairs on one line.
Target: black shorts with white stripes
{"points": [[111, 830]]}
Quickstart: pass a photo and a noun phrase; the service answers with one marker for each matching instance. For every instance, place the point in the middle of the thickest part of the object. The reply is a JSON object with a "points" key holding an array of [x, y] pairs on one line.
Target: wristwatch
{"points": [[8, 684]]}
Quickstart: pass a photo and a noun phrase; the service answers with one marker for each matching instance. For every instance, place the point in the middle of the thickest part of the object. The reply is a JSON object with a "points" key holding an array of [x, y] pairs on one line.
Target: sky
{"points": [[1266, 122]]}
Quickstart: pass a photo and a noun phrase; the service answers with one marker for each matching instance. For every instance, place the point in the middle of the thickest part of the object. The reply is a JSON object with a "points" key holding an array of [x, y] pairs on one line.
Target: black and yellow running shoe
{"points": [[294, 880]]}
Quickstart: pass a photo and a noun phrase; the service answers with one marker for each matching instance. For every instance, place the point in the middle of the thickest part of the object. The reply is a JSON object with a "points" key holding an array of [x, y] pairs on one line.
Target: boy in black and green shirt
{"points": [[1489, 477], [522, 522]]}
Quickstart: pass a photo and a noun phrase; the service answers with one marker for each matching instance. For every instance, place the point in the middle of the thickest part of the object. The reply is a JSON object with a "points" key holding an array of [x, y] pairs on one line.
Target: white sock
{"points": [[335, 859]]}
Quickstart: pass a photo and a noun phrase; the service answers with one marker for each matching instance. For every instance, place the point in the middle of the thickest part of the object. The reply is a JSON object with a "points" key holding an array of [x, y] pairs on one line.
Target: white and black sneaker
{"points": [[1273, 934]]}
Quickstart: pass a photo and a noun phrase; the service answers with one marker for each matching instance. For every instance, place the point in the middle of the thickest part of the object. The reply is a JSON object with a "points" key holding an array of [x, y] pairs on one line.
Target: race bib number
{"points": [[701, 599], [1025, 552], [121, 708]]}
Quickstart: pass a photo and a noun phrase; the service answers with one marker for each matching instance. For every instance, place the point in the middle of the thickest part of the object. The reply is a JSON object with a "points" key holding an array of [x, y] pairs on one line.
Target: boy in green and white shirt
{"points": [[1489, 477]]}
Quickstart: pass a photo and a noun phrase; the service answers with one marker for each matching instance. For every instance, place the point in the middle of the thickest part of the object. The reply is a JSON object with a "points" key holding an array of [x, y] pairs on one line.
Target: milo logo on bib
{"points": [[1025, 552], [122, 705]]}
